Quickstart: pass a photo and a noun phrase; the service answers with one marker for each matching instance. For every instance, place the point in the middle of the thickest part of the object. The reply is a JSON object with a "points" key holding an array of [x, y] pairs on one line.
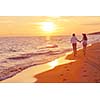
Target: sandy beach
{"points": [[66, 69], [86, 69]]}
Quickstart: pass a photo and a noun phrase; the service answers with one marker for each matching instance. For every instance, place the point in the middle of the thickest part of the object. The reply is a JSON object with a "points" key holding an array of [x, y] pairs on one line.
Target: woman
{"points": [[84, 43], [74, 43]]}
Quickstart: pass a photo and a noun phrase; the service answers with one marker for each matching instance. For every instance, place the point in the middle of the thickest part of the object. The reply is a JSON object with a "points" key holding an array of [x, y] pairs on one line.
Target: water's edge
{"points": [[12, 71]]}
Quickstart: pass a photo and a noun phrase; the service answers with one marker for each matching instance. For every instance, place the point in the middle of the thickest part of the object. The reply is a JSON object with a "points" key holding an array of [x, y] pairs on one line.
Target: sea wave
{"points": [[17, 54]]}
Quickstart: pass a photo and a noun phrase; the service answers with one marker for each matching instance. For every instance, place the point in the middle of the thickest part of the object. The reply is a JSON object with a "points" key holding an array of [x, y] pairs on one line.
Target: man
{"points": [[74, 41]]}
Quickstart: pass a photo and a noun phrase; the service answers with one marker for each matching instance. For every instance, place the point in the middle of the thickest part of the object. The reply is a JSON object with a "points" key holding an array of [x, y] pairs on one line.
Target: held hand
{"points": [[79, 41]]}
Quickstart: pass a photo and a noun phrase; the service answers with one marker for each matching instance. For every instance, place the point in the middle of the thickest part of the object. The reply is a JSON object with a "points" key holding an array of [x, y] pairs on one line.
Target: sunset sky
{"points": [[38, 25]]}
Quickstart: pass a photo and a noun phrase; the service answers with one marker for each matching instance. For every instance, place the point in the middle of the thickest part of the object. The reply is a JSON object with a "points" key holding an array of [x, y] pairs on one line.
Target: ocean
{"points": [[19, 53]]}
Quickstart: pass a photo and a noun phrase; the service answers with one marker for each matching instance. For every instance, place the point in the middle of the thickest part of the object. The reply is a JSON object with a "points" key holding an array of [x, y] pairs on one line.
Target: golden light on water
{"points": [[59, 61], [48, 26], [53, 64]]}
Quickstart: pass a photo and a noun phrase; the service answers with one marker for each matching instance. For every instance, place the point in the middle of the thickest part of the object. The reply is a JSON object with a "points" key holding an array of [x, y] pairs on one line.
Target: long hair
{"points": [[84, 37]]}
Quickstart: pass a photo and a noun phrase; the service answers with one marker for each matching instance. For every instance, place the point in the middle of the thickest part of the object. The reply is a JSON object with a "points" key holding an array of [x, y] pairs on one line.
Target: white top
{"points": [[73, 39], [84, 41]]}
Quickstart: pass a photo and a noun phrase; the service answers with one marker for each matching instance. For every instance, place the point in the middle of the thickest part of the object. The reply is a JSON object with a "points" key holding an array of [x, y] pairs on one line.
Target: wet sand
{"points": [[66, 69], [28, 75], [86, 69]]}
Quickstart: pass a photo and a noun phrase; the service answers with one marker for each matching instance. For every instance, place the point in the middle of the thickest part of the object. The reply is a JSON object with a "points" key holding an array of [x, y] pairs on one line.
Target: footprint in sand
{"points": [[84, 70], [65, 80], [68, 70], [61, 74], [85, 75]]}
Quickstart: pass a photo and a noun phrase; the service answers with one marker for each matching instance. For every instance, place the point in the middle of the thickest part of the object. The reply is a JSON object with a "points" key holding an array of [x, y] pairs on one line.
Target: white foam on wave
{"points": [[25, 52]]}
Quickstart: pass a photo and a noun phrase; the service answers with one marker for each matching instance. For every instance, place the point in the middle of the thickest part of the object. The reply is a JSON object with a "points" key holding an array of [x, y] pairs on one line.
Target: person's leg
{"points": [[84, 49], [74, 49]]}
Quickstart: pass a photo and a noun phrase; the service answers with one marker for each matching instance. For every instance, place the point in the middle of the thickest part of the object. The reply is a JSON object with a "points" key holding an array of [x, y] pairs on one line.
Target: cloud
{"points": [[91, 24]]}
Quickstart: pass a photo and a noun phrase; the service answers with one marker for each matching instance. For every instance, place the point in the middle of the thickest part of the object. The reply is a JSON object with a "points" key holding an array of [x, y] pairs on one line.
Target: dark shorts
{"points": [[74, 46]]}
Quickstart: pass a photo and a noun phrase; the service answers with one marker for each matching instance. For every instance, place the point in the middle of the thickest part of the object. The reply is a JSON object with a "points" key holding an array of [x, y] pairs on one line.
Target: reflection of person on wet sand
{"points": [[74, 41], [84, 43]]}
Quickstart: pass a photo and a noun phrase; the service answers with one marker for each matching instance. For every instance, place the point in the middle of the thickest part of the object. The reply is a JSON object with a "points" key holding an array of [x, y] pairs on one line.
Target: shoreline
{"points": [[36, 69], [13, 71], [34, 73], [86, 69]]}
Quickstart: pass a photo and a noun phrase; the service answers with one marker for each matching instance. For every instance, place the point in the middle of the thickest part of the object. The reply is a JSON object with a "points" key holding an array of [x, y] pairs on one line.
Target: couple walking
{"points": [[74, 41]]}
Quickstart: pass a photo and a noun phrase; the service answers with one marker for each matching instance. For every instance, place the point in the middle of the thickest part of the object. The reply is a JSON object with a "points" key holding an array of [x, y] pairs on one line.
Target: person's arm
{"points": [[81, 40], [78, 40]]}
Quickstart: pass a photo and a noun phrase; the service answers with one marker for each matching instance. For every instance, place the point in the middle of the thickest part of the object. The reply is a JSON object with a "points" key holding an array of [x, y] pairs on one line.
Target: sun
{"points": [[48, 26]]}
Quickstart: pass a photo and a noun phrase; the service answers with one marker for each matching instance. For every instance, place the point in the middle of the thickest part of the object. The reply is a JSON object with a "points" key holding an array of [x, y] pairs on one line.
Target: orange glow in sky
{"points": [[47, 25]]}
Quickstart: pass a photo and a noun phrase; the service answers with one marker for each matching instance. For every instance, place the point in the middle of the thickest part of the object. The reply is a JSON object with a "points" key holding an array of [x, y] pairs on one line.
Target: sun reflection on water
{"points": [[59, 61], [53, 63]]}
